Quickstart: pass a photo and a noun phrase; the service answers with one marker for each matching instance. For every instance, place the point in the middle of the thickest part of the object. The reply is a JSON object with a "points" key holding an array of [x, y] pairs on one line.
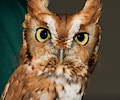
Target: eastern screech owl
{"points": [[58, 53]]}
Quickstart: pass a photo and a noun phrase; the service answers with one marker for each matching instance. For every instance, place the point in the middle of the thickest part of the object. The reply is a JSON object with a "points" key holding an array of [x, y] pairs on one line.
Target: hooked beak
{"points": [[61, 55]]}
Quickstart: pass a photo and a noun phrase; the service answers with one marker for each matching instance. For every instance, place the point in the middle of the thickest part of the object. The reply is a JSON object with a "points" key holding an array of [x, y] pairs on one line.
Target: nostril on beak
{"points": [[61, 55]]}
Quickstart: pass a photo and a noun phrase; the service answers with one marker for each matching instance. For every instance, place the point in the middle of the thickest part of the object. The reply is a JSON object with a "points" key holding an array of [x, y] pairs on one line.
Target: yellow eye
{"points": [[42, 34], [82, 38]]}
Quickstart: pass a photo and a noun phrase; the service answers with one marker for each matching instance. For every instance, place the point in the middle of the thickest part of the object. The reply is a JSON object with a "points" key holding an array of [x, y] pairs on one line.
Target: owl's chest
{"points": [[70, 92], [57, 88], [62, 90]]}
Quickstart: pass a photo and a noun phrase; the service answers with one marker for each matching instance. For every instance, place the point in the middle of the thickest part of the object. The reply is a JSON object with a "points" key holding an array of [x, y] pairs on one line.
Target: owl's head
{"points": [[58, 43]]}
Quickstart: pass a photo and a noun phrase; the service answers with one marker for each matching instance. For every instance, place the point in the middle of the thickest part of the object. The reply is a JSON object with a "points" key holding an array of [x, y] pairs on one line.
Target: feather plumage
{"points": [[59, 67]]}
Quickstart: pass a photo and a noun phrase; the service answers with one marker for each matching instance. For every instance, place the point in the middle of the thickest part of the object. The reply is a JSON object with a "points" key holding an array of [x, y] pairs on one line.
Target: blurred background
{"points": [[105, 81]]}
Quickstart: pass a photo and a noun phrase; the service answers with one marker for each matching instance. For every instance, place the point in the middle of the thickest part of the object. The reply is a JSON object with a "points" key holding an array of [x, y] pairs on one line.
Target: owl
{"points": [[58, 53]]}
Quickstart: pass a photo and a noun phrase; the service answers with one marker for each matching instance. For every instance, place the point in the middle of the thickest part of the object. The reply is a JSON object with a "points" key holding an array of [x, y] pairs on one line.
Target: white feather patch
{"points": [[40, 73], [59, 71], [6, 89], [44, 96], [51, 26], [71, 92], [74, 29]]}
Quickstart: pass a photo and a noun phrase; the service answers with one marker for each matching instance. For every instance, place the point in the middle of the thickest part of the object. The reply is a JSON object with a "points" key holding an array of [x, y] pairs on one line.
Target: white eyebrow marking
{"points": [[51, 26], [74, 29]]}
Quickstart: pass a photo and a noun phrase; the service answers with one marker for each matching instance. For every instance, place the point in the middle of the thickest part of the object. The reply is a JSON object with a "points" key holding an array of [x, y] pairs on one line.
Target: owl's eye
{"points": [[82, 38], [42, 34]]}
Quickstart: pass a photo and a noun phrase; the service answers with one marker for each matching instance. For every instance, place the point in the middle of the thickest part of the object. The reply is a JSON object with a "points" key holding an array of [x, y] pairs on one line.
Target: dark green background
{"points": [[11, 18], [105, 81]]}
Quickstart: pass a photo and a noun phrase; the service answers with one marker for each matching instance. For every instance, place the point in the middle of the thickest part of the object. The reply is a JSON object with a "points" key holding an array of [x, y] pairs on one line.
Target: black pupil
{"points": [[44, 34], [81, 37]]}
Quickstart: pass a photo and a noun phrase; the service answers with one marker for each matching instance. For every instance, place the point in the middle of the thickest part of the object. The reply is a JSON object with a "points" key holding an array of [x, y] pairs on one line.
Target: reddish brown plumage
{"points": [[41, 74]]}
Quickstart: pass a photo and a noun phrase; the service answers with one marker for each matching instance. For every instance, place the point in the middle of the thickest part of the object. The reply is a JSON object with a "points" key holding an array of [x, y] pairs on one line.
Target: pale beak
{"points": [[61, 55]]}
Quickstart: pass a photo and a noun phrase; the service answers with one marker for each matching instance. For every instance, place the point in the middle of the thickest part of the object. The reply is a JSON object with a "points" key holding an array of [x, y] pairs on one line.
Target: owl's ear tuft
{"points": [[36, 7], [91, 12]]}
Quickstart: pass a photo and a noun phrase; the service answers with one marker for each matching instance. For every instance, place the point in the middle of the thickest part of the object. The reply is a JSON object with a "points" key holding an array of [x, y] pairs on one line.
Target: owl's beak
{"points": [[61, 55]]}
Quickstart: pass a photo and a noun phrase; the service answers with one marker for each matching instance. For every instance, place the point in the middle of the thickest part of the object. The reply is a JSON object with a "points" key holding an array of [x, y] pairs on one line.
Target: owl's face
{"points": [[61, 45]]}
